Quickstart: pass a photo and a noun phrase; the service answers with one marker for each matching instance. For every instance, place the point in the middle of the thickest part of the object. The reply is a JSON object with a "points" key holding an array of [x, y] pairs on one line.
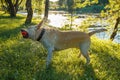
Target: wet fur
{"points": [[58, 40]]}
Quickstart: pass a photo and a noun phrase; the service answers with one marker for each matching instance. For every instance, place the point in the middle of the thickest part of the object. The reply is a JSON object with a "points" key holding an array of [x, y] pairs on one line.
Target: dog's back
{"points": [[70, 39]]}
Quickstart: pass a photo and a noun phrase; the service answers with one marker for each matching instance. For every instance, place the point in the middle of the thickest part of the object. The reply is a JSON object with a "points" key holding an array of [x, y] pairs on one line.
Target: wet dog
{"points": [[53, 39]]}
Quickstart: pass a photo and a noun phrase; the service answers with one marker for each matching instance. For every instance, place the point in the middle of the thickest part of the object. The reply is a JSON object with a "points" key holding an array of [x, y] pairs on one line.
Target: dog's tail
{"points": [[41, 23], [96, 31]]}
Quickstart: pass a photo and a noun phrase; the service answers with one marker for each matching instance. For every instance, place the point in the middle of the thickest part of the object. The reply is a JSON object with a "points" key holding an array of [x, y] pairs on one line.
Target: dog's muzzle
{"points": [[24, 33]]}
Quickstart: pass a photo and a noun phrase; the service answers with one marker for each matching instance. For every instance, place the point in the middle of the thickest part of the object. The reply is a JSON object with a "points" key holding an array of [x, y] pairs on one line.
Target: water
{"points": [[106, 35], [59, 20]]}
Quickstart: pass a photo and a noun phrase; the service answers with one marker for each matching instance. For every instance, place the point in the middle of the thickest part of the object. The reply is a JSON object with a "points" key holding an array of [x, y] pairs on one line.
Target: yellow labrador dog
{"points": [[53, 39]]}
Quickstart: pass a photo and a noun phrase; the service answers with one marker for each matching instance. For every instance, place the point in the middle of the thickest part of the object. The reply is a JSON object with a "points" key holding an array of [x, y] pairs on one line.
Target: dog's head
{"points": [[29, 33], [33, 31]]}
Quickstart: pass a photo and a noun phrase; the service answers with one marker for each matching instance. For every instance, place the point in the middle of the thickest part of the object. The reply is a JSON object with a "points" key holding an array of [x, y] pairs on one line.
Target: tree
{"points": [[114, 33], [29, 11], [38, 5], [45, 13], [103, 2], [46, 9], [12, 6], [113, 14], [70, 5], [62, 4]]}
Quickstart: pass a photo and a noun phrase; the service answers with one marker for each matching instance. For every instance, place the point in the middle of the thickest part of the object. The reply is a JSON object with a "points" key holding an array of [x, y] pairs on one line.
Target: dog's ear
{"points": [[41, 23]]}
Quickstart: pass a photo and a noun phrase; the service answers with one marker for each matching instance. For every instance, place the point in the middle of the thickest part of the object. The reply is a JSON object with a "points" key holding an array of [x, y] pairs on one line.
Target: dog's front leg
{"points": [[49, 56]]}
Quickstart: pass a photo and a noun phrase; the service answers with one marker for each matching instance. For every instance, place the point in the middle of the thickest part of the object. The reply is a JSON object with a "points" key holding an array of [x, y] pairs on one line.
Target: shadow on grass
{"points": [[89, 73], [10, 33], [3, 16], [10, 27], [20, 61], [110, 65], [53, 74]]}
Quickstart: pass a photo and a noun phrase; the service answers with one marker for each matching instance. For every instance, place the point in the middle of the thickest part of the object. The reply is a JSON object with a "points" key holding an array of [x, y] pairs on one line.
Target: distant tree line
{"points": [[12, 7], [110, 10], [83, 6]]}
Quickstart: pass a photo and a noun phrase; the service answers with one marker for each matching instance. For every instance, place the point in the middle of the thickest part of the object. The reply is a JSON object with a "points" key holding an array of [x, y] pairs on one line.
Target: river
{"points": [[59, 20]]}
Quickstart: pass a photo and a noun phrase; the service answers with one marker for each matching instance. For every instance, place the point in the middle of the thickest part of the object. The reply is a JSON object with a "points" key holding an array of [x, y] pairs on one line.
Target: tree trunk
{"points": [[46, 9], [29, 11], [17, 3], [11, 8], [46, 12], [71, 20], [12, 11], [115, 29]]}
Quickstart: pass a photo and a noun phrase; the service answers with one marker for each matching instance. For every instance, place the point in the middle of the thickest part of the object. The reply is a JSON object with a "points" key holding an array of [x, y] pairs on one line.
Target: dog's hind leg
{"points": [[84, 47]]}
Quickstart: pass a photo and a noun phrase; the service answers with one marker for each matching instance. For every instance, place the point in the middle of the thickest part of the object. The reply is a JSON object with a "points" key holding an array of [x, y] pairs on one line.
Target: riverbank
{"points": [[60, 19], [22, 59]]}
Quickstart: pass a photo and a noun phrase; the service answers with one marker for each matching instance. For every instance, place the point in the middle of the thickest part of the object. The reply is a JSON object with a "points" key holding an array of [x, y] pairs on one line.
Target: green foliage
{"points": [[76, 4], [0, 5], [83, 3], [70, 5], [22, 59], [112, 11], [61, 3], [103, 2], [91, 9], [38, 5], [83, 6]]}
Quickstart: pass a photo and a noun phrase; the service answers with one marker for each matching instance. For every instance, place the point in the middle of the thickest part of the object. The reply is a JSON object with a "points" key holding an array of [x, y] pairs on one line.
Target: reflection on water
{"points": [[59, 20], [105, 35]]}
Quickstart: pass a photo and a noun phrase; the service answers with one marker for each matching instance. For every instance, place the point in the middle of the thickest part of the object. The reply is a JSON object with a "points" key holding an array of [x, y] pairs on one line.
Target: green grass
{"points": [[22, 59]]}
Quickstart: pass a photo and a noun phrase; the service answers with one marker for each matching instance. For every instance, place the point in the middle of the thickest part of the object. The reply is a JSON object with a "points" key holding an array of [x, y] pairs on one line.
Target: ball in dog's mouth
{"points": [[24, 33]]}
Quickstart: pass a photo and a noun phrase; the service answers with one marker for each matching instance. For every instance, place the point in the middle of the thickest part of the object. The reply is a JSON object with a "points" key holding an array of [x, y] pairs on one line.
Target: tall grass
{"points": [[25, 60]]}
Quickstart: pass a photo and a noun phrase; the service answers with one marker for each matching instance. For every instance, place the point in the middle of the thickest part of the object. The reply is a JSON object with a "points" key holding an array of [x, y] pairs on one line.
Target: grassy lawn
{"points": [[22, 59]]}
